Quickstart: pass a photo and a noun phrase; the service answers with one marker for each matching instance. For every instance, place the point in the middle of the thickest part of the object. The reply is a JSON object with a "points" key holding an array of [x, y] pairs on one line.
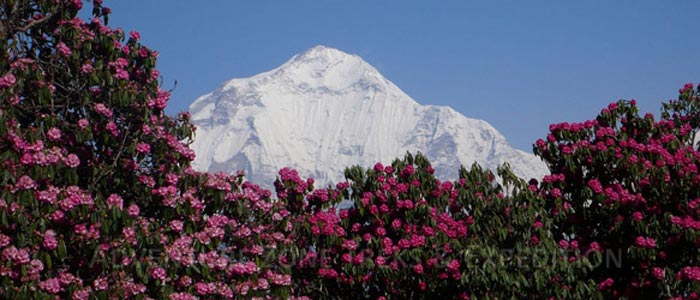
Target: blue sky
{"points": [[520, 65]]}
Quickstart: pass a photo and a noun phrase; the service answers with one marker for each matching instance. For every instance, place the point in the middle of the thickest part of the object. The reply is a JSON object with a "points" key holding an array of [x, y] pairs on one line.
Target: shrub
{"points": [[98, 199], [628, 184], [396, 232]]}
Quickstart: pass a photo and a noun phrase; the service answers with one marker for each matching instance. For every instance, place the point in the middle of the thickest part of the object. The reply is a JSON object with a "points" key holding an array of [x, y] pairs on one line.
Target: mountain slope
{"points": [[324, 110]]}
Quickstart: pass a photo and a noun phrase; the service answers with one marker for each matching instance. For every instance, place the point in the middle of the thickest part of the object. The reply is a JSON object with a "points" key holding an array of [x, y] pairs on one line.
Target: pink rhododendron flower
{"points": [[556, 193], [689, 273], [50, 241], [103, 110], [4, 240], [563, 244], [51, 286], [135, 35], [595, 185], [57, 216], [659, 273], [637, 216], [605, 284], [100, 284], [121, 74], [380, 260], [66, 278], [72, 160], [63, 49], [158, 274], [418, 269], [83, 123], [25, 183], [176, 225], [82, 294], [202, 288], [143, 148], [87, 69], [7, 80], [115, 200], [645, 242], [182, 296], [112, 128]]}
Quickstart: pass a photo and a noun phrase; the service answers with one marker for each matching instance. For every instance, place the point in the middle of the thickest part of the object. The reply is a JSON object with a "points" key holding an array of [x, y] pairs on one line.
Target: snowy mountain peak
{"points": [[329, 68], [324, 110], [324, 55]]}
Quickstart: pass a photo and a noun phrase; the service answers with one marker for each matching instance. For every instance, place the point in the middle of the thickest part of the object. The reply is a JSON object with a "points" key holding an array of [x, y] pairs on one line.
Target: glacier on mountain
{"points": [[324, 110]]}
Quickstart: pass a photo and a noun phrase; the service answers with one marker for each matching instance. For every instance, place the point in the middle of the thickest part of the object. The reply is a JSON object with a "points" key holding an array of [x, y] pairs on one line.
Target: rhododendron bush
{"points": [[629, 184], [98, 199], [396, 232]]}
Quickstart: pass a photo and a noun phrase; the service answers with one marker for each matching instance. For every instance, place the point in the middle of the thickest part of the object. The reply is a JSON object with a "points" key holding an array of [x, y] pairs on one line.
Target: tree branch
{"points": [[37, 22]]}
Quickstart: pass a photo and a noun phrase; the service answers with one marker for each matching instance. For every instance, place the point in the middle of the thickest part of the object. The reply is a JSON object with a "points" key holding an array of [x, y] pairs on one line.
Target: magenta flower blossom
{"points": [[595, 185], [637, 216], [659, 273], [51, 286], [35, 267], [103, 110], [159, 274], [50, 241], [182, 296], [25, 183], [87, 69], [689, 273], [66, 278], [418, 269], [556, 193], [82, 294], [112, 128], [645, 242], [4, 240], [7, 80], [83, 123], [135, 35], [203, 288], [350, 245], [176, 225], [100, 284], [63, 49], [380, 260], [115, 200], [605, 284], [72, 160], [121, 74]]}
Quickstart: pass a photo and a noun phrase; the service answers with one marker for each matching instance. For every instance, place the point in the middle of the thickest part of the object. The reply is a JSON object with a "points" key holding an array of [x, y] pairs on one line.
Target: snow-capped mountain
{"points": [[324, 110]]}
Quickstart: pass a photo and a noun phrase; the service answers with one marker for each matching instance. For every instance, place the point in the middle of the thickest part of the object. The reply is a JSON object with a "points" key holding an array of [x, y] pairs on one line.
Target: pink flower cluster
{"points": [[7, 80], [689, 273], [645, 242]]}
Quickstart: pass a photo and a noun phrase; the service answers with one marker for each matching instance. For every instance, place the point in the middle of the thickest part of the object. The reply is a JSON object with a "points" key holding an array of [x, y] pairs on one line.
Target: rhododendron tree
{"points": [[97, 197], [628, 184], [396, 232]]}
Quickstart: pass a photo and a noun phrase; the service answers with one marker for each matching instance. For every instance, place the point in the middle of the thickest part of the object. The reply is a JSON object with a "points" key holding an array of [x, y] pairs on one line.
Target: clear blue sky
{"points": [[520, 65]]}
